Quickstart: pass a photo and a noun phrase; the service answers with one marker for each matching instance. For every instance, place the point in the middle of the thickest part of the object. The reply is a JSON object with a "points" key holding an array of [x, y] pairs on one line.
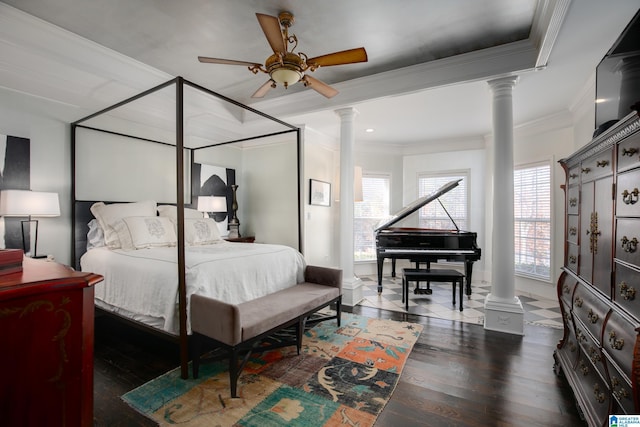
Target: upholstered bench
{"points": [[240, 328], [432, 275]]}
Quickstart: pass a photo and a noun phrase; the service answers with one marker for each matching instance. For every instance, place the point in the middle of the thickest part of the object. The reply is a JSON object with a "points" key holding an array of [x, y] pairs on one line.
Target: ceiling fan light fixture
{"points": [[286, 76]]}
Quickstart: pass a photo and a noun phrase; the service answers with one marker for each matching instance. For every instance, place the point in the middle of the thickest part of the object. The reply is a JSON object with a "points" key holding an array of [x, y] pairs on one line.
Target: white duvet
{"points": [[144, 282]]}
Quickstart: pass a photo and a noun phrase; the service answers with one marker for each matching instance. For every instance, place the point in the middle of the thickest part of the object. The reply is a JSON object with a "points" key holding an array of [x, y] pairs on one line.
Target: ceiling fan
{"points": [[286, 66]]}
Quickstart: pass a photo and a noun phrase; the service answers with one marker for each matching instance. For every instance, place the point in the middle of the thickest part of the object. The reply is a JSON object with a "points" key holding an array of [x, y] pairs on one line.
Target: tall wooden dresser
{"points": [[599, 287], [46, 352]]}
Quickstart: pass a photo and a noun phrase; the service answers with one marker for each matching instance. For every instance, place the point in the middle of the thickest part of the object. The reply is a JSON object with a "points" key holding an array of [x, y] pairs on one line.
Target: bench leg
{"points": [[300, 327], [339, 310], [461, 286], [454, 292]]}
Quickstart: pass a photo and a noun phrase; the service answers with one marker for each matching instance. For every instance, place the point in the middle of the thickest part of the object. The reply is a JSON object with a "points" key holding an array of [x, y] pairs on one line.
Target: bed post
{"points": [[182, 289]]}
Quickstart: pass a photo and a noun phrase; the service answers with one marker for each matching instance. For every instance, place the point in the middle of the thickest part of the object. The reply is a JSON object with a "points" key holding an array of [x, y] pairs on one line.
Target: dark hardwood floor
{"points": [[458, 374]]}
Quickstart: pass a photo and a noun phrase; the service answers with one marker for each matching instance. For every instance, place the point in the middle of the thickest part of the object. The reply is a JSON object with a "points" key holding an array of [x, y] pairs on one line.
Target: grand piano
{"points": [[422, 245]]}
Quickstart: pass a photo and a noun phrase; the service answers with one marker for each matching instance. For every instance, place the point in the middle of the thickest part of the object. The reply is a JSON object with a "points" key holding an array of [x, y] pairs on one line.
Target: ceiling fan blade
{"points": [[226, 61], [320, 87], [262, 90], [271, 28], [350, 56]]}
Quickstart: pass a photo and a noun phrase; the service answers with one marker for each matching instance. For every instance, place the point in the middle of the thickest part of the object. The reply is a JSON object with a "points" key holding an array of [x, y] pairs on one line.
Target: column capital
{"points": [[346, 113], [503, 84]]}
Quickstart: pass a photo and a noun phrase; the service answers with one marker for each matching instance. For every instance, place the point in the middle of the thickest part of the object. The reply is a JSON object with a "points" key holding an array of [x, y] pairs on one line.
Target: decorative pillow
{"points": [[109, 215], [171, 212], [95, 236], [202, 231], [140, 232]]}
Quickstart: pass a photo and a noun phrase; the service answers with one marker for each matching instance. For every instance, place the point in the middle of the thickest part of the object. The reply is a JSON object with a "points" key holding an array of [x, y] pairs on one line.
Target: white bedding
{"points": [[145, 281]]}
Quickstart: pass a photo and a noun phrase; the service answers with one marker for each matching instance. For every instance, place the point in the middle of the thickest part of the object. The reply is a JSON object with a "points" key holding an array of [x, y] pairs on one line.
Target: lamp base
{"points": [[234, 231]]}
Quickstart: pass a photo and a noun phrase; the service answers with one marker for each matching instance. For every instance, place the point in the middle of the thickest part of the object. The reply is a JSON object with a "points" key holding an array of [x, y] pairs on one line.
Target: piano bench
{"points": [[432, 275]]}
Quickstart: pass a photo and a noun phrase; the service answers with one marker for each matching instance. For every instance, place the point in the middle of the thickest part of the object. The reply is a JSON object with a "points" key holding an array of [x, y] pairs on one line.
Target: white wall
{"points": [[320, 222], [32, 118], [270, 180]]}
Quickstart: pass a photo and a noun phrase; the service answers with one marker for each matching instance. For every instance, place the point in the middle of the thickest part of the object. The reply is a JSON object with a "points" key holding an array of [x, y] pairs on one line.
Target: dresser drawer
{"points": [[627, 289], [595, 388], [590, 309], [597, 166], [589, 349], [573, 251], [618, 341], [629, 152], [628, 194], [620, 388], [573, 178], [572, 228], [573, 200], [566, 291], [627, 240]]}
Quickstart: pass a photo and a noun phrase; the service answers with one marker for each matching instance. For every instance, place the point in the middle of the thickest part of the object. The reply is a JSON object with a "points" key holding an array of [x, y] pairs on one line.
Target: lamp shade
{"points": [[29, 203], [212, 204]]}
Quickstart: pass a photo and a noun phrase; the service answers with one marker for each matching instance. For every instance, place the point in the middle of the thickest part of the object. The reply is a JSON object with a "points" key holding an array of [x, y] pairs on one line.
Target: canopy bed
{"points": [[133, 165]]}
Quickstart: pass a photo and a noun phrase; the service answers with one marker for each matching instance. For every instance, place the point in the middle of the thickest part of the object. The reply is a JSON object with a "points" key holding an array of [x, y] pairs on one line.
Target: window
{"points": [[368, 213], [433, 215], [532, 220]]}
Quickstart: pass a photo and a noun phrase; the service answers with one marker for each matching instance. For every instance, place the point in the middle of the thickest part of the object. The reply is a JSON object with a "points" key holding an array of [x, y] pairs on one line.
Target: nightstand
{"points": [[246, 239]]}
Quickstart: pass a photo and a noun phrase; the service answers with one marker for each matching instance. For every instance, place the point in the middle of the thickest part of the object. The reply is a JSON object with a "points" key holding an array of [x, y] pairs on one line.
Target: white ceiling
{"points": [[425, 80]]}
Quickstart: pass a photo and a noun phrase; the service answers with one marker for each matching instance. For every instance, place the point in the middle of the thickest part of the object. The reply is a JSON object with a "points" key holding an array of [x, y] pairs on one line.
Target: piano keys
{"points": [[423, 245]]}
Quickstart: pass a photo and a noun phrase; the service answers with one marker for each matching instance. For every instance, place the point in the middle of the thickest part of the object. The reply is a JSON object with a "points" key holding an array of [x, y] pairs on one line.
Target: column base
{"points": [[352, 292], [504, 315]]}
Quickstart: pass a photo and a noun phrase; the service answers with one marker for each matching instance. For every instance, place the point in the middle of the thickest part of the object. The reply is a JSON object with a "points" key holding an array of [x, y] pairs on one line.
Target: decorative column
{"points": [[351, 285], [503, 310]]}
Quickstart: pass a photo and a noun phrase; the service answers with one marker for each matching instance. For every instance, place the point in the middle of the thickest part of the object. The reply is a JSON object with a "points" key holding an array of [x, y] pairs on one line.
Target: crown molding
{"points": [[547, 22]]}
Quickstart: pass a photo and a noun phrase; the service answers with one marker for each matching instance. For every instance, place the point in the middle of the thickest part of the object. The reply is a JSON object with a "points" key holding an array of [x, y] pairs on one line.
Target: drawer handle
{"points": [[573, 202], [586, 170], [580, 336], [595, 355], [630, 197], [629, 151], [573, 231], [615, 344], [572, 259], [628, 293], [629, 245], [600, 397], [584, 368], [593, 317], [578, 301], [573, 176], [602, 163], [565, 289], [572, 347]]}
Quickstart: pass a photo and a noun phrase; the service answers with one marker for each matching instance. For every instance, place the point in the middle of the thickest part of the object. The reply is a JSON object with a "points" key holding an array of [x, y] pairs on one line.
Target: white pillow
{"points": [[95, 236], [109, 215], [202, 231], [140, 232], [171, 211]]}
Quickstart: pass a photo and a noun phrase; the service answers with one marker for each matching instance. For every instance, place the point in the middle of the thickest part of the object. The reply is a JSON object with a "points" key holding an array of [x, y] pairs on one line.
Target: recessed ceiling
{"points": [[425, 80]]}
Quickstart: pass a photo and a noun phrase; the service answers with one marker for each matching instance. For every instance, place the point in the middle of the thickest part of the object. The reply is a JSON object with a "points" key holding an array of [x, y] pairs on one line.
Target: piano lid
{"points": [[417, 204]]}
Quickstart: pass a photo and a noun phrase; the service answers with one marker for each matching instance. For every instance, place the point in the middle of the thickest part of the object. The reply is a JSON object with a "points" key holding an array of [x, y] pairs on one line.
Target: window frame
{"points": [[530, 165], [465, 174], [372, 174]]}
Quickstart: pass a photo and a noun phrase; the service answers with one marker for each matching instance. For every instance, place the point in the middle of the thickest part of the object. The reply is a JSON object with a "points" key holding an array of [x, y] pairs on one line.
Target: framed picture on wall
{"points": [[319, 193]]}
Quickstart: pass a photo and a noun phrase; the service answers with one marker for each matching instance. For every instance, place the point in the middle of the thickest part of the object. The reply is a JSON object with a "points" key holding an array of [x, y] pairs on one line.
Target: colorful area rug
{"points": [[343, 376]]}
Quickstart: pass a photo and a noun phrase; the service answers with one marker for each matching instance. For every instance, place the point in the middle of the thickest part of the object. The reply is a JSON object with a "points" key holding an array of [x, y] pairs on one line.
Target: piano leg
{"points": [[380, 264], [468, 269], [393, 267]]}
